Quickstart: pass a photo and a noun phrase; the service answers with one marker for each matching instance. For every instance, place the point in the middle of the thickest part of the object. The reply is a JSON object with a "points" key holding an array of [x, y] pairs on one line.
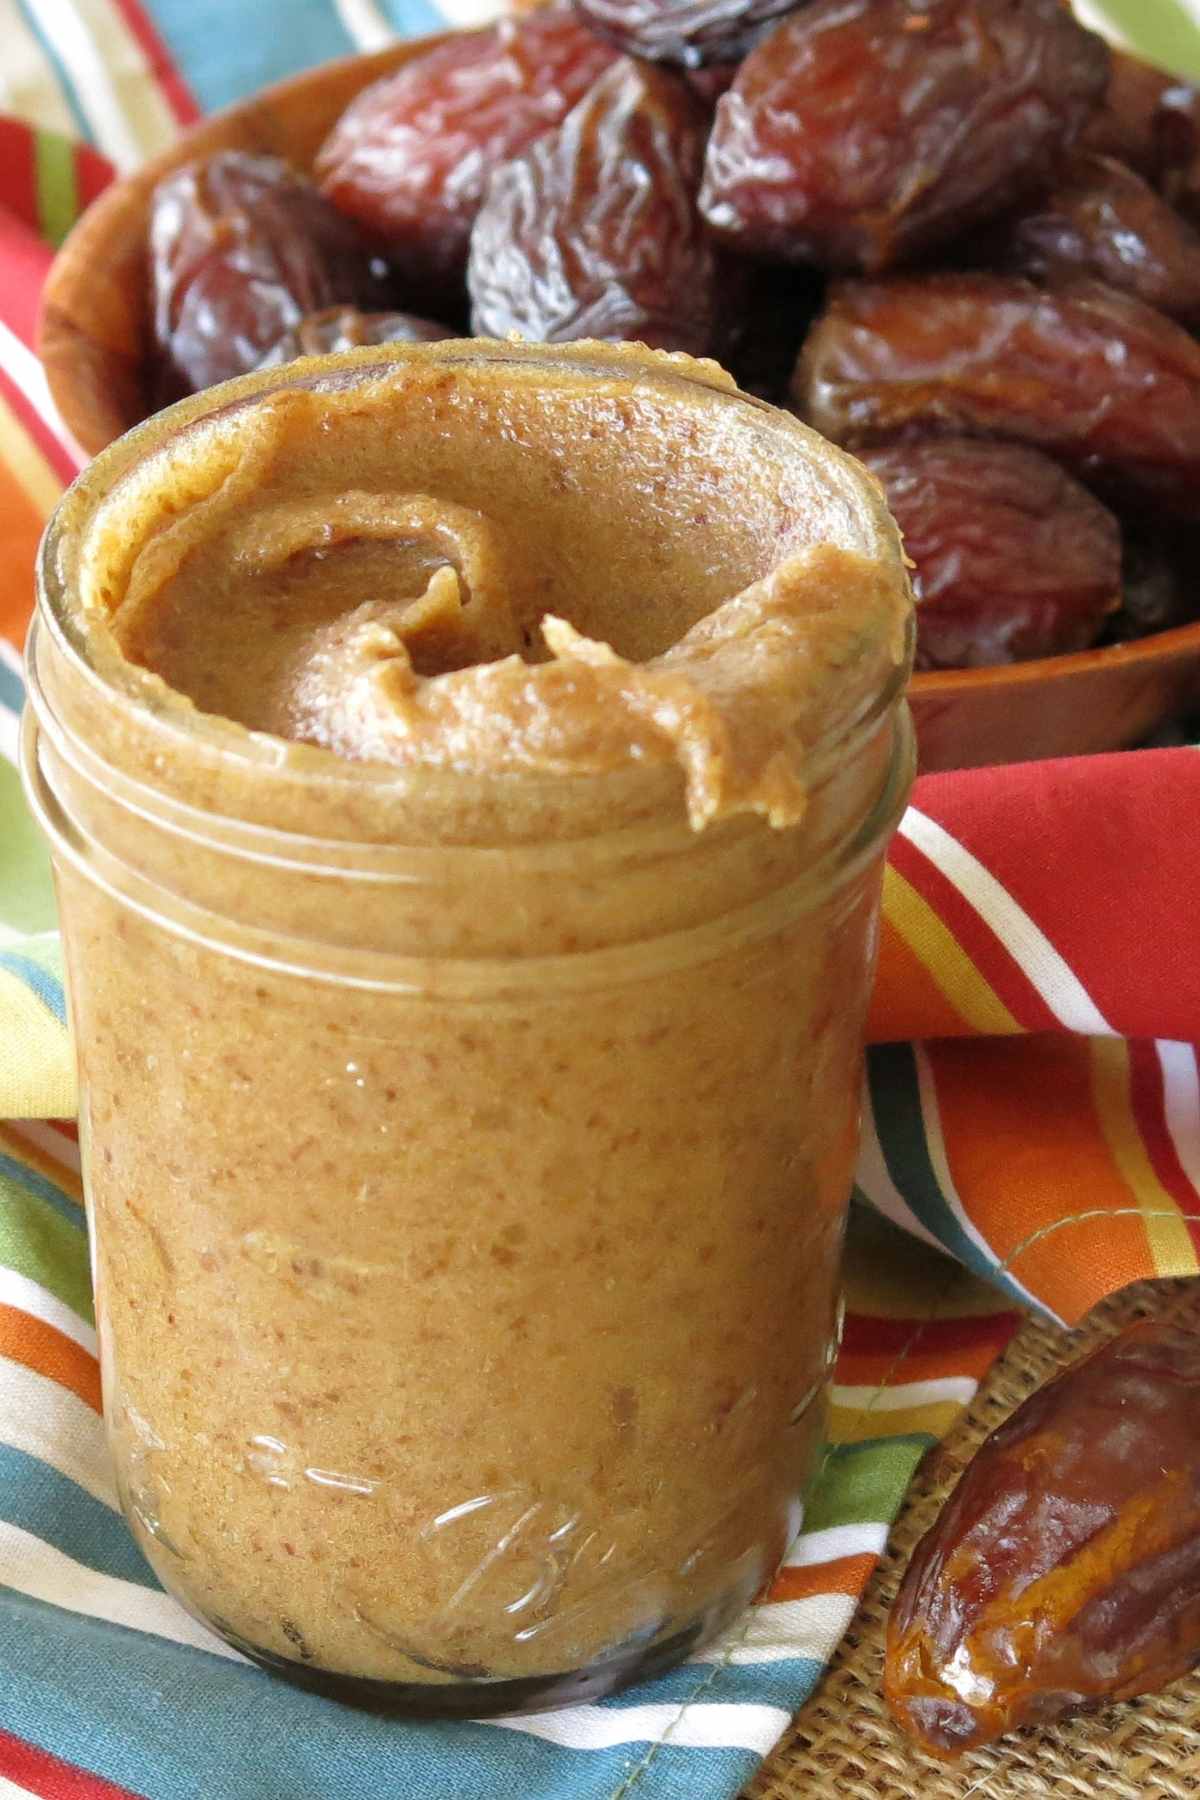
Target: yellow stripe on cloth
{"points": [[23, 459], [944, 959], [1169, 1239], [37, 1069], [856, 1425]]}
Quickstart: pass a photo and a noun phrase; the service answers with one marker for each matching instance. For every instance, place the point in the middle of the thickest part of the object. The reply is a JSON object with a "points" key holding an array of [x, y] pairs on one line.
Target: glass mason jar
{"points": [[467, 1153]]}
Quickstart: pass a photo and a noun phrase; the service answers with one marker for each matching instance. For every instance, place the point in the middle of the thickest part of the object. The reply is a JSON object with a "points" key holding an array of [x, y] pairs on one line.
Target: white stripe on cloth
{"points": [[46, 1137], [696, 1726], [29, 85], [935, 1144], [874, 1178], [25, 372], [47, 1421], [1025, 941], [32, 1567], [365, 24], [112, 84], [959, 1388], [464, 13], [10, 1791], [782, 1631], [32, 1298], [1181, 1104], [834, 1542]]}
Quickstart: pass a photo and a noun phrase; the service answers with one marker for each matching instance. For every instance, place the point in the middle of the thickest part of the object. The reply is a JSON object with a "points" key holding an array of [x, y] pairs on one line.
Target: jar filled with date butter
{"points": [[468, 769]]}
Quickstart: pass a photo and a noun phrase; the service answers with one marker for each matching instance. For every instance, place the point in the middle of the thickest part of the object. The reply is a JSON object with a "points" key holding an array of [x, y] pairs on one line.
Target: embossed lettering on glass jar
{"points": [[468, 1142]]}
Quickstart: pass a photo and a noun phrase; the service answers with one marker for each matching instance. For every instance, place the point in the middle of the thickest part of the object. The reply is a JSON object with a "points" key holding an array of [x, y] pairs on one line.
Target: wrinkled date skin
{"points": [[411, 155], [690, 33], [1014, 558], [861, 132], [1101, 219], [1159, 583], [1065, 1570], [1151, 121], [345, 328], [241, 248], [594, 231], [1107, 385]]}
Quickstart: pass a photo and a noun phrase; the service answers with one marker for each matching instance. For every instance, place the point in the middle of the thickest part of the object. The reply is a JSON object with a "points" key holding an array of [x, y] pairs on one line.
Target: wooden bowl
{"points": [[93, 335]]}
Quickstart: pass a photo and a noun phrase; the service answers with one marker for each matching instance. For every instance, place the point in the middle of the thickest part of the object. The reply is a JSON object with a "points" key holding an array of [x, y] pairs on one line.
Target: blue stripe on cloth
{"points": [[175, 1724], [786, 1683], [226, 49], [47, 987], [12, 688], [33, 1183], [413, 18], [62, 80], [49, 1506], [900, 1125]]}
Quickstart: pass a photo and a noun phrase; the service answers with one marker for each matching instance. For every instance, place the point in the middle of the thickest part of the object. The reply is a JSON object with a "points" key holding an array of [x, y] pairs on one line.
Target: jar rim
{"points": [[321, 771]]}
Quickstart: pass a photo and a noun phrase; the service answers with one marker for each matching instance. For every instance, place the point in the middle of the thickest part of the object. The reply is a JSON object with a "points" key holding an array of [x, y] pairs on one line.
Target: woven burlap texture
{"points": [[843, 1745]]}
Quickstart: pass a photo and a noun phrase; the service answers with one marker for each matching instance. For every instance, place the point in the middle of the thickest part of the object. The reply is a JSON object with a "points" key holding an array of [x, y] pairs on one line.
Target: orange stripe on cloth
{"points": [[844, 1575], [1034, 1169], [25, 502], [906, 1001], [40, 1347]]}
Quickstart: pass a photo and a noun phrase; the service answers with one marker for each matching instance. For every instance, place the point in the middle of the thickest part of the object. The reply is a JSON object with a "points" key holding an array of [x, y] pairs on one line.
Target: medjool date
{"points": [[1104, 383], [861, 132], [689, 32], [411, 155], [1065, 1569], [1014, 559], [594, 231], [241, 248]]}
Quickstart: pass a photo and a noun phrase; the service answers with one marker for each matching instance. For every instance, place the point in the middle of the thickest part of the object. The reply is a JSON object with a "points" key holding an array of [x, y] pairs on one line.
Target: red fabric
{"points": [[45, 1775]]}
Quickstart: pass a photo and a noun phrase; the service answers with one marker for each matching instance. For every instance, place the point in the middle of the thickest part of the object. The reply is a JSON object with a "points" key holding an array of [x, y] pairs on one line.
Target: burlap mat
{"points": [[843, 1745]]}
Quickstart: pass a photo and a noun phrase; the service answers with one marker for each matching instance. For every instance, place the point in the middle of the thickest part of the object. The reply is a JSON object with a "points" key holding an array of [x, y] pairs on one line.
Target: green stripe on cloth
{"points": [[864, 1483], [1166, 32], [57, 194], [26, 893], [45, 1245]]}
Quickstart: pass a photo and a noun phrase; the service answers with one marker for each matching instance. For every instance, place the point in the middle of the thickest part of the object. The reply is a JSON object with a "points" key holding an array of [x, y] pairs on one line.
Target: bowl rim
{"points": [[1156, 648]]}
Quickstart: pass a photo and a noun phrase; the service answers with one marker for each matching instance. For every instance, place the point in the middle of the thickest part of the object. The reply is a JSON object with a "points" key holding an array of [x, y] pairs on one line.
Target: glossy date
{"points": [[1101, 219], [1064, 1571], [1014, 559], [861, 132], [241, 248], [594, 232], [1104, 383], [411, 155], [691, 33], [345, 328]]}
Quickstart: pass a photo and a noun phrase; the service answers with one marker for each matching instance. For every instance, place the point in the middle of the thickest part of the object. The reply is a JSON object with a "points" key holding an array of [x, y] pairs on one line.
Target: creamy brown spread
{"points": [[468, 1137]]}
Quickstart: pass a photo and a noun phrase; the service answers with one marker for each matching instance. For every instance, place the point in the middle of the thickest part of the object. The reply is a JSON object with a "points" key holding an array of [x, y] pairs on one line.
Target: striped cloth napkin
{"points": [[1032, 1107]]}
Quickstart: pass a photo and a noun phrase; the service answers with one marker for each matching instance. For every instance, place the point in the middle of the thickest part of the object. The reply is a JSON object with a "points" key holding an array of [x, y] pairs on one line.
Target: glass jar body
{"points": [[467, 1158]]}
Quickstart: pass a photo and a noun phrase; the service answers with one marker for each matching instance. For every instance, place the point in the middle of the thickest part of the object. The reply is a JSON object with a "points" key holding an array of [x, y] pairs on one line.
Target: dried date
{"points": [[1065, 1570], [1101, 381], [345, 328], [594, 231], [860, 133], [691, 33], [1014, 559], [410, 157], [1159, 590], [241, 248], [1101, 219]]}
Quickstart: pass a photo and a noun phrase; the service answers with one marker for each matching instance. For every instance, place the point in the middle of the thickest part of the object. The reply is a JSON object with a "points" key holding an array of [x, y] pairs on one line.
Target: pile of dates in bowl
{"points": [[959, 237]]}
